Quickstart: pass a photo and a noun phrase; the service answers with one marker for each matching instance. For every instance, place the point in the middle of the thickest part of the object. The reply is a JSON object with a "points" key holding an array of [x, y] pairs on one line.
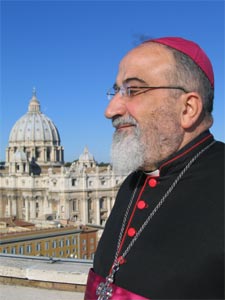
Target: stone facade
{"points": [[35, 184]]}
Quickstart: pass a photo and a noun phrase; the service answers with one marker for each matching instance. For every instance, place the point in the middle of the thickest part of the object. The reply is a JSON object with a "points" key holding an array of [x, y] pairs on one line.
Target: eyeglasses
{"points": [[131, 91]]}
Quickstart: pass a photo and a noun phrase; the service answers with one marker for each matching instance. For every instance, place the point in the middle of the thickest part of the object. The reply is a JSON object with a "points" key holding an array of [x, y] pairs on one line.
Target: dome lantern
{"points": [[34, 105]]}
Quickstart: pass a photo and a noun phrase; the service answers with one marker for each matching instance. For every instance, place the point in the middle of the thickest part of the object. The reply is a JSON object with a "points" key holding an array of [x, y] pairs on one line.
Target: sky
{"points": [[70, 51]]}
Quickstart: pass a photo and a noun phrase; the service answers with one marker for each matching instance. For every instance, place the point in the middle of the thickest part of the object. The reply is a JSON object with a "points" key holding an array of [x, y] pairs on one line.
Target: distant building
{"points": [[13, 224], [35, 184], [67, 242]]}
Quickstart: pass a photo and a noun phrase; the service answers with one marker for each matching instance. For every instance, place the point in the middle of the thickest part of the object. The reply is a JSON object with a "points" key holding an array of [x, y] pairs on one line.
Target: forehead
{"points": [[148, 61]]}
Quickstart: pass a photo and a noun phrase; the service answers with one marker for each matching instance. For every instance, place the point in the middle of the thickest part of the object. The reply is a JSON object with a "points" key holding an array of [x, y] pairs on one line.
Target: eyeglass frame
{"points": [[123, 90]]}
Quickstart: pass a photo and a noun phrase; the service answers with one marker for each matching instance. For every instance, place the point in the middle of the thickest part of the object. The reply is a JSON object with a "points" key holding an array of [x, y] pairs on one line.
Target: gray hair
{"points": [[190, 76]]}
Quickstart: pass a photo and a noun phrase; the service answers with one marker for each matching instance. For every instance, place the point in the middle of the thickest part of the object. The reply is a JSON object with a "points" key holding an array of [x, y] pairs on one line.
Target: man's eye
{"points": [[132, 91]]}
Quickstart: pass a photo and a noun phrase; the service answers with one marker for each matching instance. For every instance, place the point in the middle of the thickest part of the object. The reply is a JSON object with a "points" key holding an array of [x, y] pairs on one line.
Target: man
{"points": [[164, 238]]}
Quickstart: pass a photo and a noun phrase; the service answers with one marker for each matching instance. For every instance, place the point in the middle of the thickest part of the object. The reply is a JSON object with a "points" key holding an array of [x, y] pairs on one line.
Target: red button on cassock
{"points": [[152, 182], [142, 204], [131, 232]]}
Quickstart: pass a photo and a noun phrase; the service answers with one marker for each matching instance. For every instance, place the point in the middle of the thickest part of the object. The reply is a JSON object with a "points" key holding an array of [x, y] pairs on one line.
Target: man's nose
{"points": [[117, 106]]}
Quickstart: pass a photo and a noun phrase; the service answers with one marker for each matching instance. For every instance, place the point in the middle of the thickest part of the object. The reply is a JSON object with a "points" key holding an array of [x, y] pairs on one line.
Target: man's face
{"points": [[147, 125]]}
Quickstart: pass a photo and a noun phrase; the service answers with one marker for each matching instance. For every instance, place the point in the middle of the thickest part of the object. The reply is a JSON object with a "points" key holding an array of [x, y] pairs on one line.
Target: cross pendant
{"points": [[104, 290]]}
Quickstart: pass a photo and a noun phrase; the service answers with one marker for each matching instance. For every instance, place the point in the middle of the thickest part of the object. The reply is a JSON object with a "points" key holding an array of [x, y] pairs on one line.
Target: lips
{"points": [[124, 122], [124, 126]]}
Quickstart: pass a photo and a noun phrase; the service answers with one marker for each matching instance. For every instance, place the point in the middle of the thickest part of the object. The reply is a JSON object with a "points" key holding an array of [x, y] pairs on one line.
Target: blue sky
{"points": [[70, 50]]}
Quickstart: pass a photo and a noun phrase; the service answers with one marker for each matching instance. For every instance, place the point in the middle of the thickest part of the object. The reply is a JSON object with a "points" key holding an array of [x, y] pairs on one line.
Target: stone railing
{"points": [[44, 272]]}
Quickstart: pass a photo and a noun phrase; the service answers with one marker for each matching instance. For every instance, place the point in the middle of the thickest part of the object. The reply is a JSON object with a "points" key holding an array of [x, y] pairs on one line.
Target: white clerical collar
{"points": [[153, 173]]}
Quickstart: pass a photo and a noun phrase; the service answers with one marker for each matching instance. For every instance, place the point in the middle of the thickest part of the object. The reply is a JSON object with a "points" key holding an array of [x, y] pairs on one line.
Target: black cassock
{"points": [[180, 253]]}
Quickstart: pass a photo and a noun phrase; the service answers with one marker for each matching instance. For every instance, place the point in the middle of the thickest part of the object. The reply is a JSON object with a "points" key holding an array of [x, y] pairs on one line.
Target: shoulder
{"points": [[216, 153]]}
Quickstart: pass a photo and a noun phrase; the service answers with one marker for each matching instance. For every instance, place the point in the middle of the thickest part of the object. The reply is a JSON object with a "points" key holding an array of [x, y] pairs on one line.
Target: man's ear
{"points": [[191, 110]]}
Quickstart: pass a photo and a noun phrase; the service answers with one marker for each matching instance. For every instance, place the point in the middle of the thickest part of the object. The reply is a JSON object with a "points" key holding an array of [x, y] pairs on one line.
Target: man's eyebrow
{"points": [[134, 79], [126, 81]]}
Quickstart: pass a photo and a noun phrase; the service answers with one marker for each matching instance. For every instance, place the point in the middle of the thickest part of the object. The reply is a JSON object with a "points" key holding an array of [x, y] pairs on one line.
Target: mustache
{"points": [[117, 121]]}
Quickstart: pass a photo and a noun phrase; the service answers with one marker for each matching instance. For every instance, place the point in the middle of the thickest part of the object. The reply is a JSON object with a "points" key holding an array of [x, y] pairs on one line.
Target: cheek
{"points": [[167, 124], [140, 111], [159, 121], [160, 116]]}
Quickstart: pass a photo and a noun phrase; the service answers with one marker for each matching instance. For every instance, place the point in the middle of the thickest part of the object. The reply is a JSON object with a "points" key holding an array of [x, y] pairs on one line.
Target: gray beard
{"points": [[134, 149], [127, 153]]}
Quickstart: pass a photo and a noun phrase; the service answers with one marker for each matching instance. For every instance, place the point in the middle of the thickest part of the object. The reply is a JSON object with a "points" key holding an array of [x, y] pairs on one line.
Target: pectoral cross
{"points": [[104, 290]]}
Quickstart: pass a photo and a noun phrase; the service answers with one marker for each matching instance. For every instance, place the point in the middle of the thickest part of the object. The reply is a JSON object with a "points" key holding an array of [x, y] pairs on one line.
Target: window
{"points": [[38, 152], [75, 205], [29, 248], [38, 247], [61, 243], [67, 242], [74, 181], [21, 250], [84, 242], [48, 153], [13, 250], [54, 244], [74, 241], [46, 245], [102, 203]]}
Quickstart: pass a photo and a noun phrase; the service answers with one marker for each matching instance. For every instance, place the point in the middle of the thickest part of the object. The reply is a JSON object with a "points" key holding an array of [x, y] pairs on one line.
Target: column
{"points": [[45, 154], [9, 207], [14, 206], [32, 208], [97, 211], [27, 209], [108, 206]]}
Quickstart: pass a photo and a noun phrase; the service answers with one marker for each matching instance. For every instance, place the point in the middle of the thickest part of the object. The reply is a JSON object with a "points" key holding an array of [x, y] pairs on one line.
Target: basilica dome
{"points": [[34, 126], [36, 136]]}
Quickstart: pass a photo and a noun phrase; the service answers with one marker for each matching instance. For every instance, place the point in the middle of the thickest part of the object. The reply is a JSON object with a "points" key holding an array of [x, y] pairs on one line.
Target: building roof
{"points": [[14, 222]]}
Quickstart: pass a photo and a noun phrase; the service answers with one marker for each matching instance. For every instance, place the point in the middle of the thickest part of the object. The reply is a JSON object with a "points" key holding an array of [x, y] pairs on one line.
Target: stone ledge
{"points": [[70, 276], [42, 284]]}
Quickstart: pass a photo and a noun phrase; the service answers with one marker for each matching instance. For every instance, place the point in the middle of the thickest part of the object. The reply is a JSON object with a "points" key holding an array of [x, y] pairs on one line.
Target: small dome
{"points": [[34, 126], [86, 156]]}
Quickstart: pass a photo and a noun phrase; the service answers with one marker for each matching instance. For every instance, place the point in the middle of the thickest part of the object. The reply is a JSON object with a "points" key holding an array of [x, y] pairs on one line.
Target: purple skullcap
{"points": [[192, 50]]}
